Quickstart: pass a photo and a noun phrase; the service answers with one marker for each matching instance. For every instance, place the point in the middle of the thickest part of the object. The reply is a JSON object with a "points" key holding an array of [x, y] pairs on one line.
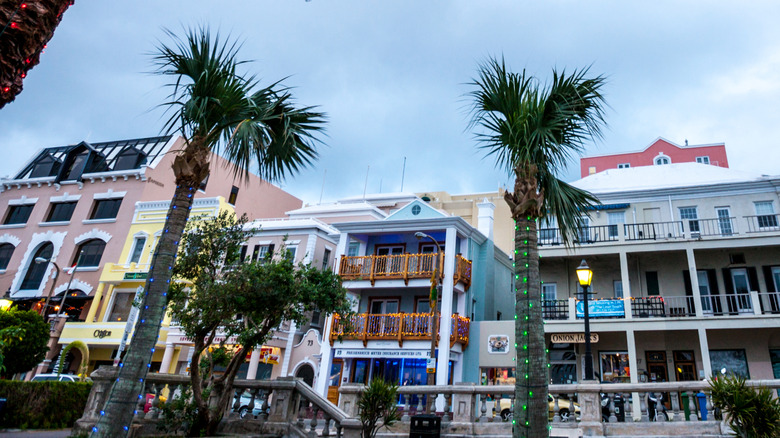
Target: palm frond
{"points": [[568, 204]]}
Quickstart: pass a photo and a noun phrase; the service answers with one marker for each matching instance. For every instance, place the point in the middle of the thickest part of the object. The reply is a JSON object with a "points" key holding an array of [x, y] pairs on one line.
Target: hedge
{"points": [[42, 405]]}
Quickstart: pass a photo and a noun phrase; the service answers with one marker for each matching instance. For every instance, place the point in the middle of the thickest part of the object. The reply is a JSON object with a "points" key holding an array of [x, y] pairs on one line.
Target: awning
{"points": [[609, 207]]}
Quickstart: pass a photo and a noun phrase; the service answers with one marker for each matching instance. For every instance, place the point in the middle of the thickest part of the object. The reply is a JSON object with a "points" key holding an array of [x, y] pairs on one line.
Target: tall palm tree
{"points": [[25, 28], [215, 109], [533, 130]]}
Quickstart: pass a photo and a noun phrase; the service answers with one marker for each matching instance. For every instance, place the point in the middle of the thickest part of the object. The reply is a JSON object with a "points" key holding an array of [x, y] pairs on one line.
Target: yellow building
{"points": [[107, 318]]}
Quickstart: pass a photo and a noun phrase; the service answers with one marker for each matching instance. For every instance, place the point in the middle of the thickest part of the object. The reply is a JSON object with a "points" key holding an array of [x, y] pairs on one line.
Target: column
{"points": [[633, 369], [105, 311], [694, 282], [326, 351], [704, 347], [165, 366], [445, 323], [624, 279], [95, 302], [254, 362], [288, 349]]}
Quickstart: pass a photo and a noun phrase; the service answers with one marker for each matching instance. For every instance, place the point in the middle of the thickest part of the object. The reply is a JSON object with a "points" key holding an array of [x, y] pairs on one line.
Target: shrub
{"points": [[378, 401], [750, 412], [42, 405]]}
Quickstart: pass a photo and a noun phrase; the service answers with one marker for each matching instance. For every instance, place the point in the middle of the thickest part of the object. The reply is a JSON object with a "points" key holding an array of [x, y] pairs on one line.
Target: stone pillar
{"points": [[254, 362], [165, 366], [633, 369], [590, 406], [463, 403]]}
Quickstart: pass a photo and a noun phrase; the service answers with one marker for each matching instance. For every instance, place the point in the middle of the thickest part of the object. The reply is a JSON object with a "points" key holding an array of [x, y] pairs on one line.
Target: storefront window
{"points": [[563, 364], [614, 367], [122, 305], [730, 361], [498, 376], [360, 371]]}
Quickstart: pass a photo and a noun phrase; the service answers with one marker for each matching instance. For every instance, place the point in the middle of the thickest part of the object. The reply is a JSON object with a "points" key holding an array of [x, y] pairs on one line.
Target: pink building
{"points": [[659, 152], [80, 199]]}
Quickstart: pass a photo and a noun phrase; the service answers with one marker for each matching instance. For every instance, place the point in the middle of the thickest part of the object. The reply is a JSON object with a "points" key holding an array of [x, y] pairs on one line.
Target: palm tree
{"points": [[533, 130], [215, 109], [25, 28]]}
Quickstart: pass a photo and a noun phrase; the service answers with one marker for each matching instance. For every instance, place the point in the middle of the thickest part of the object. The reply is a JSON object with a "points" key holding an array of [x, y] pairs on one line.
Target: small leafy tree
{"points": [[750, 412], [378, 402], [241, 301], [26, 347]]}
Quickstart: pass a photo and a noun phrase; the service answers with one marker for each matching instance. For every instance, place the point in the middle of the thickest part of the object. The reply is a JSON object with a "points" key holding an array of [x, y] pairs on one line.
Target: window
{"points": [[123, 303], [46, 166], [90, 253], [6, 251], [690, 213], [549, 291], [106, 208], [661, 160], [548, 233], [36, 271], [61, 211], [353, 250], [242, 257], [18, 214], [138, 249], [290, 253], [261, 252], [416, 209], [563, 364], [75, 165], [703, 160], [624, 165], [614, 367], [615, 220], [732, 361], [129, 158], [591, 170], [765, 211], [724, 221], [651, 277], [326, 260], [584, 233], [617, 286], [233, 195]]}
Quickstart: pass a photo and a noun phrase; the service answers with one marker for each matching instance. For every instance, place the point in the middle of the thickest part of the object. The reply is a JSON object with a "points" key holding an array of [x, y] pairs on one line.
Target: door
{"points": [[334, 380], [724, 221], [383, 319], [741, 289], [704, 290], [684, 366], [656, 367], [387, 264]]}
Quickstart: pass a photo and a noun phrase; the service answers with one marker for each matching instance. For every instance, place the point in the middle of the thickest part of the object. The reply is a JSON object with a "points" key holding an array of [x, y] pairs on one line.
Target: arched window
{"points": [[36, 271], [91, 252], [661, 160], [129, 158], [6, 251]]}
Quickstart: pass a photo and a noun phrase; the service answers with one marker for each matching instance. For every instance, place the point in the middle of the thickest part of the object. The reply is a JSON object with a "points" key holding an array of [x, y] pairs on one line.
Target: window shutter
{"points": [[687, 283], [712, 276], [769, 279], [752, 279], [271, 250]]}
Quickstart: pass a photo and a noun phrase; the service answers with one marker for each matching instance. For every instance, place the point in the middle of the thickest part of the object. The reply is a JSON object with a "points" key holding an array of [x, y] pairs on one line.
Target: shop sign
{"points": [[381, 353], [601, 308], [268, 355], [430, 366], [573, 338], [136, 275], [100, 334], [498, 344]]}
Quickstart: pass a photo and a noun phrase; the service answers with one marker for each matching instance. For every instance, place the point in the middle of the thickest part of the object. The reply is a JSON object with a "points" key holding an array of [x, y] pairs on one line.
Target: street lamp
{"points": [[435, 292], [585, 276], [5, 302], [53, 282], [67, 288]]}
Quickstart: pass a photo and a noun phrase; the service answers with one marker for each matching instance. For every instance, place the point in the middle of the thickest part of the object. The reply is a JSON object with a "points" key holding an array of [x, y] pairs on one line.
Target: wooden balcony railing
{"points": [[394, 326], [400, 267]]}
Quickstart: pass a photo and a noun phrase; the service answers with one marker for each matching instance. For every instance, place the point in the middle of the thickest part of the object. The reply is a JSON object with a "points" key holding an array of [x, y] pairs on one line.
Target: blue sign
{"points": [[601, 308]]}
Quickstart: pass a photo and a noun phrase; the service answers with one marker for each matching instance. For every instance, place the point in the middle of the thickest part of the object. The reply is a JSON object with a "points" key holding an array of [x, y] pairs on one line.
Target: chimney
{"points": [[485, 218]]}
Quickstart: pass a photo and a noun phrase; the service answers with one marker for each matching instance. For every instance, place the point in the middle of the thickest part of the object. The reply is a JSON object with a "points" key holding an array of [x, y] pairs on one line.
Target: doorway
{"points": [[658, 370], [334, 380], [389, 262], [684, 366], [741, 290], [381, 320]]}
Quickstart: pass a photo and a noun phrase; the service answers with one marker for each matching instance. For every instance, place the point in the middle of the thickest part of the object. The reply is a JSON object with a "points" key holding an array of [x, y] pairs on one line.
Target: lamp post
{"points": [[585, 276], [67, 289], [5, 302], [435, 292], [53, 282]]}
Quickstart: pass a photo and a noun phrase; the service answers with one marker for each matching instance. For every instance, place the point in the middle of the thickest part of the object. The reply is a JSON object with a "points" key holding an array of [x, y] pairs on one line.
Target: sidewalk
{"points": [[17, 433]]}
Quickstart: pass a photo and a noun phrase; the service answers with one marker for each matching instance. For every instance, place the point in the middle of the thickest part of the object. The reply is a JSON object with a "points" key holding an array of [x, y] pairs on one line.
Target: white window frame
{"points": [[704, 159], [624, 166], [550, 291], [614, 227], [617, 285], [136, 238], [693, 222], [662, 160]]}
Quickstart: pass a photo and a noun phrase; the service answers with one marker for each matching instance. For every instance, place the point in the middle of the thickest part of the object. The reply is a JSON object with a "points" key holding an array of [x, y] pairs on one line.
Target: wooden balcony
{"points": [[400, 267], [394, 326]]}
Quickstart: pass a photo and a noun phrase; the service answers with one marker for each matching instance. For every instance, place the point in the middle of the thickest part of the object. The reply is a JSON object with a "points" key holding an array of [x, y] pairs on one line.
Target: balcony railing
{"points": [[670, 230], [400, 267], [394, 326]]}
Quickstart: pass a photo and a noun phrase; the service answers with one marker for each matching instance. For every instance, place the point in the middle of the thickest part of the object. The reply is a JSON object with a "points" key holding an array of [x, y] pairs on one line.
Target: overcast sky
{"points": [[392, 76]]}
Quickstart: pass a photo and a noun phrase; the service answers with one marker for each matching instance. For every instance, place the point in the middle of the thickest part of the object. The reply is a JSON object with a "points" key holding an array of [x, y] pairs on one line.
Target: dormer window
{"points": [[46, 166], [74, 165], [80, 160], [129, 158], [660, 160]]}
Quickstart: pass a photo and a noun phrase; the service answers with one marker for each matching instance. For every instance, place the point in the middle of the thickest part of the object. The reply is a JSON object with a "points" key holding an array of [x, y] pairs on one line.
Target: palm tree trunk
{"points": [[124, 396], [24, 32], [531, 408]]}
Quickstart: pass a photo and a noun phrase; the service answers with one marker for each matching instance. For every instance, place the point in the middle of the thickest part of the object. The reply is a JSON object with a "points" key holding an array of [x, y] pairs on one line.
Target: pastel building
{"points": [[660, 152], [76, 205]]}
